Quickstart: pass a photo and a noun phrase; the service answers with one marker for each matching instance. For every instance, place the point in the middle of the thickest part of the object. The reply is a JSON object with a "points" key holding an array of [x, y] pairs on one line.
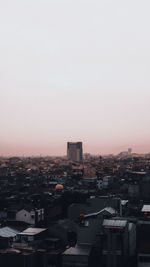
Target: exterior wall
{"points": [[87, 233], [100, 184], [39, 215], [132, 239], [17, 260], [25, 216], [74, 151], [105, 182], [143, 243], [3, 214], [75, 261], [30, 217], [115, 247], [26, 238], [143, 260], [78, 155], [133, 190], [75, 210]]}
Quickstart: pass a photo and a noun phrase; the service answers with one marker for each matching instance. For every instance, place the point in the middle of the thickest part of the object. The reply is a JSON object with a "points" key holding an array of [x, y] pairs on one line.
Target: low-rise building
{"points": [[78, 256], [115, 243], [30, 216], [32, 235]]}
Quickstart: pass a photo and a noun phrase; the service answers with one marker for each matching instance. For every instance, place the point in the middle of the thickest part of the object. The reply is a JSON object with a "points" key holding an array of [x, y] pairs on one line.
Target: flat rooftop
{"points": [[118, 224], [146, 208], [33, 231], [82, 250]]}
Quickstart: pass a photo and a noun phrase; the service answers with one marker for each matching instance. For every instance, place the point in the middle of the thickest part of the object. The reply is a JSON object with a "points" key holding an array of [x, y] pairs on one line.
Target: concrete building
{"points": [[78, 256], [115, 243], [31, 216], [8, 235], [134, 190], [32, 235], [74, 151], [104, 182], [143, 238], [89, 228], [84, 254], [14, 257], [94, 205], [129, 151]]}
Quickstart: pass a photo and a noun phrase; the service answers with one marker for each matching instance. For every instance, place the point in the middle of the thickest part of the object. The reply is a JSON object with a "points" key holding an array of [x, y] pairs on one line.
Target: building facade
{"points": [[30, 216], [115, 243], [74, 151]]}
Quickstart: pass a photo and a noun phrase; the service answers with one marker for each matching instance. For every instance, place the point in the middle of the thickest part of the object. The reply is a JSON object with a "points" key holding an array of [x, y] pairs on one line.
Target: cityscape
{"points": [[74, 133], [77, 210]]}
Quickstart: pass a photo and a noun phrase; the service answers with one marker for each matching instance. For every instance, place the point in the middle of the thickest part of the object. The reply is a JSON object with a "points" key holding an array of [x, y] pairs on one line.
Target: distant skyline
{"points": [[74, 71]]}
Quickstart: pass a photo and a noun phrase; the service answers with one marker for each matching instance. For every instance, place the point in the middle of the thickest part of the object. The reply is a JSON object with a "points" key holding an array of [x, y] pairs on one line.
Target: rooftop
{"points": [[32, 231], [82, 250], [146, 208], [107, 209], [8, 232], [118, 224]]}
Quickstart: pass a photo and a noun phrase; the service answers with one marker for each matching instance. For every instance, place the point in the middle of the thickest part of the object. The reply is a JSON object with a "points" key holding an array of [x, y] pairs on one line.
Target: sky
{"points": [[74, 70]]}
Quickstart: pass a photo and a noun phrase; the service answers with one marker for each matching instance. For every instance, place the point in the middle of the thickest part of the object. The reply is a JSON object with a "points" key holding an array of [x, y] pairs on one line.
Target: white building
{"points": [[30, 216]]}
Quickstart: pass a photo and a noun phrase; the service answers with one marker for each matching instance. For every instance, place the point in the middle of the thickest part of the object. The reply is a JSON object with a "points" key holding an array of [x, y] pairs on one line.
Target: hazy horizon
{"points": [[62, 151], [74, 71]]}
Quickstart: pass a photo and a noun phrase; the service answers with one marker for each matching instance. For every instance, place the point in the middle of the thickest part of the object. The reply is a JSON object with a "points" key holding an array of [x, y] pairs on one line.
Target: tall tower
{"points": [[74, 151], [129, 151]]}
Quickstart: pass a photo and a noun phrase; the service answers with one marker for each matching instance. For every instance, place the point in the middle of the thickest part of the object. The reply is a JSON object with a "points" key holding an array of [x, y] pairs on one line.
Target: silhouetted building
{"points": [[74, 151], [129, 151]]}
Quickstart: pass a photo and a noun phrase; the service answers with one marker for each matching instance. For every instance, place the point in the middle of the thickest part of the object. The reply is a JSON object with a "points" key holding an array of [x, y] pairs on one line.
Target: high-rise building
{"points": [[74, 151], [129, 151]]}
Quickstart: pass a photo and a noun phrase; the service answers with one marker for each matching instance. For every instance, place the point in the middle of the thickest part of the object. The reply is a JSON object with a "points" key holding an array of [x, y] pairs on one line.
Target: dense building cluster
{"points": [[58, 211]]}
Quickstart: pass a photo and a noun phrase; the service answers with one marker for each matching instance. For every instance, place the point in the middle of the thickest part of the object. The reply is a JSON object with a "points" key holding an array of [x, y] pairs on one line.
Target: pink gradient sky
{"points": [[74, 71]]}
